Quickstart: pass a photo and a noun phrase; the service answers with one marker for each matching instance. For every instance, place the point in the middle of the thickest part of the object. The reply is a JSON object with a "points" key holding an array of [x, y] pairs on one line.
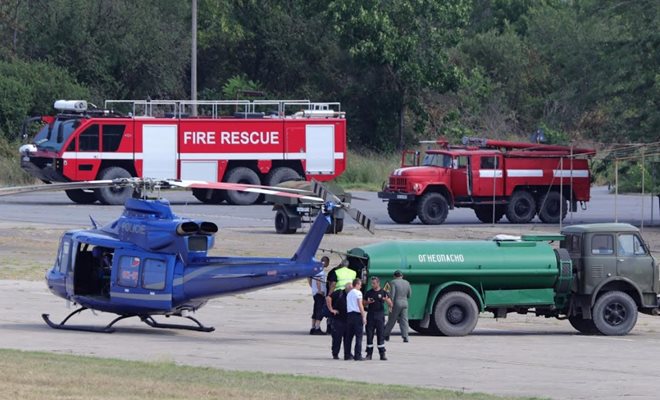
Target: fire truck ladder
{"points": [[216, 109]]}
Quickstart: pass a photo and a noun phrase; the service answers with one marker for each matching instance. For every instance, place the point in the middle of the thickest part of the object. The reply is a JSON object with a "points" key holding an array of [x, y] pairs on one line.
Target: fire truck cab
{"points": [[240, 141], [494, 178]]}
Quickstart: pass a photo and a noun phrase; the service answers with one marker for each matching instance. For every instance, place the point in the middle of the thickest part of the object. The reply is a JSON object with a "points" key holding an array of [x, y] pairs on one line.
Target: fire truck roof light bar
{"points": [[71, 105]]}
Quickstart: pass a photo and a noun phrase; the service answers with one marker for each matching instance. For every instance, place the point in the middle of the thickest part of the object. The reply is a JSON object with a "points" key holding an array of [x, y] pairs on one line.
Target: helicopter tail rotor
{"points": [[326, 194]]}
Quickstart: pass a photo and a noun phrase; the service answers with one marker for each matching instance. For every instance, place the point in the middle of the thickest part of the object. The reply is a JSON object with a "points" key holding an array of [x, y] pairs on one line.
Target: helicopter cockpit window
{"points": [[153, 275], [63, 259], [129, 271]]}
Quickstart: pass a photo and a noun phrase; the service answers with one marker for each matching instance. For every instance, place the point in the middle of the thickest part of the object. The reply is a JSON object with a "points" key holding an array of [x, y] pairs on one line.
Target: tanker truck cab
{"points": [[597, 276], [615, 277]]}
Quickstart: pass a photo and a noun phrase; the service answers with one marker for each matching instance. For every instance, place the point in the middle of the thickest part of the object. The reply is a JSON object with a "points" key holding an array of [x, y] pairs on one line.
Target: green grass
{"points": [[368, 170], [10, 164], [44, 376]]}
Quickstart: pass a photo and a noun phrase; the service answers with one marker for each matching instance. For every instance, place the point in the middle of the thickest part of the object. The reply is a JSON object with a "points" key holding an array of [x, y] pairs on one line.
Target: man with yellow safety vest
{"points": [[340, 276]]}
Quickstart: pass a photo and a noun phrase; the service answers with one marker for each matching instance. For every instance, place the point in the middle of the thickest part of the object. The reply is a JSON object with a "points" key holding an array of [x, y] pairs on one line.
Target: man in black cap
{"points": [[399, 293]]}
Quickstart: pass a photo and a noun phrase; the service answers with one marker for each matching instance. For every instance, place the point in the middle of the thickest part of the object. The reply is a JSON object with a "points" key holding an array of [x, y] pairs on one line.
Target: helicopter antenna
{"points": [[341, 253]]}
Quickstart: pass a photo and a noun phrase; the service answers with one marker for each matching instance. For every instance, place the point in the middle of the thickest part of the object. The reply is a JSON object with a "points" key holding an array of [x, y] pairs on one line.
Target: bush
{"points": [[30, 88], [368, 170]]}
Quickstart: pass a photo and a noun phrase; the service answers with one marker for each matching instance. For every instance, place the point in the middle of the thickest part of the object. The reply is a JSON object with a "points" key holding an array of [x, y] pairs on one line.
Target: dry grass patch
{"points": [[43, 376]]}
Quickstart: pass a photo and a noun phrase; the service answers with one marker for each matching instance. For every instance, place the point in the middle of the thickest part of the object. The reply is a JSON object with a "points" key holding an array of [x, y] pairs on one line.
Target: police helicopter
{"points": [[151, 262]]}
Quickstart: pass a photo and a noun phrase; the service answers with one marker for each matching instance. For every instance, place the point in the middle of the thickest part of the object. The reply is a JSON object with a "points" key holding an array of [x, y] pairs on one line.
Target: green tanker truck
{"points": [[599, 278]]}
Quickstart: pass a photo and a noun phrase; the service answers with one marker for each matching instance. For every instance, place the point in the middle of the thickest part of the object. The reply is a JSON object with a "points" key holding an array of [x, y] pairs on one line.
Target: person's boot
{"points": [[368, 357], [382, 356]]}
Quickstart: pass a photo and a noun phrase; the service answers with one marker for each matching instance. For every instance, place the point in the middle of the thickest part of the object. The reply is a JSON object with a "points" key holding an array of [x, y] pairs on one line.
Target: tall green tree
{"points": [[406, 43], [120, 48]]}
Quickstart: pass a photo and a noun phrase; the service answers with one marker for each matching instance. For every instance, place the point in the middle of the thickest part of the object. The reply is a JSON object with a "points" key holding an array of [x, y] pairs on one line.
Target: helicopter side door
{"points": [[142, 281]]}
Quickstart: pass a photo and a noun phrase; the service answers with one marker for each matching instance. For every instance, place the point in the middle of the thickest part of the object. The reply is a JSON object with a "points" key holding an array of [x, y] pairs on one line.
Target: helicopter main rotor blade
{"points": [[271, 190], [6, 191]]}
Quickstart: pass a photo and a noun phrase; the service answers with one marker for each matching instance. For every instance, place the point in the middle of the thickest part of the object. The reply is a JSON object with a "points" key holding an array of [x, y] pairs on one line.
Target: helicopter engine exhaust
{"points": [[187, 228]]}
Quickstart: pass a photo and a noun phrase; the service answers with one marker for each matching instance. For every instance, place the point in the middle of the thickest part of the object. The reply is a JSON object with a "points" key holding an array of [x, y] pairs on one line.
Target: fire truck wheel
{"points": [[336, 226], [209, 196], [282, 223], [485, 213], [584, 326], [242, 175], [522, 207], [615, 313], [281, 174], [455, 314], [112, 195], [81, 196], [549, 207], [401, 213], [432, 209]]}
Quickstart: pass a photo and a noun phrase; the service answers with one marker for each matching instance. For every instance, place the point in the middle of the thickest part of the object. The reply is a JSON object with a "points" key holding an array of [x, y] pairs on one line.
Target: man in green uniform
{"points": [[399, 293]]}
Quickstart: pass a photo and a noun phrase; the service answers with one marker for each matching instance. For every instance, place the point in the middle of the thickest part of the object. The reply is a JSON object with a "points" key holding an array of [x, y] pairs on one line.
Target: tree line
{"points": [[581, 70]]}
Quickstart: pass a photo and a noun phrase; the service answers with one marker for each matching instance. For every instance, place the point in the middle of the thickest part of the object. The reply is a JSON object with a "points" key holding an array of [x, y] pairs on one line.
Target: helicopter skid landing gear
{"points": [[148, 319], [199, 328], [106, 329]]}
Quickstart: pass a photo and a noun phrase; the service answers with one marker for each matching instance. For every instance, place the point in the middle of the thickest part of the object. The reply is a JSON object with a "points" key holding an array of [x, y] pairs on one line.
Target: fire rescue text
{"points": [[234, 137]]}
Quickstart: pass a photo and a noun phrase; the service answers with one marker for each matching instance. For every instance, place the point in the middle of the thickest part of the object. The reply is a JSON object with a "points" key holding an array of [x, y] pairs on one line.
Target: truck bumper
{"points": [[397, 196], [45, 169]]}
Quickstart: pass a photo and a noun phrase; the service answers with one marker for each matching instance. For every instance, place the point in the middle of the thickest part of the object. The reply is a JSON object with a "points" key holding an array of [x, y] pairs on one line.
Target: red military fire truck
{"points": [[240, 141], [493, 177]]}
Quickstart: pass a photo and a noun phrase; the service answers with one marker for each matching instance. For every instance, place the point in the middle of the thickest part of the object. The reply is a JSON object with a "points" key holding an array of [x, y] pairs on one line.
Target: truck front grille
{"points": [[397, 183]]}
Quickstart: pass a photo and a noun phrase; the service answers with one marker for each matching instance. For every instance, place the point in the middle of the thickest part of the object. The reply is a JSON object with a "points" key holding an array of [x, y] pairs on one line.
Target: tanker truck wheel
{"points": [[584, 326], [246, 176], [485, 213], [522, 207], [614, 314], [113, 195], [455, 314], [400, 212], [415, 324], [549, 207], [432, 209]]}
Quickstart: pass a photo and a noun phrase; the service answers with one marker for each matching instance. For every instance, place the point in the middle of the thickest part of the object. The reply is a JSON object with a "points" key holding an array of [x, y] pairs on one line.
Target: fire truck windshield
{"points": [[53, 136], [437, 160]]}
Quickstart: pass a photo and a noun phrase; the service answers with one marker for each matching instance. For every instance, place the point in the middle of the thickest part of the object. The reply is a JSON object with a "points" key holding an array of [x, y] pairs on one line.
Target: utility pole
{"points": [[193, 59]]}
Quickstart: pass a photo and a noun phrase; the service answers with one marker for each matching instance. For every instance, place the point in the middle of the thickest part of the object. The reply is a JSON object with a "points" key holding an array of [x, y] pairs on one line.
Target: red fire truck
{"points": [[240, 141], [493, 177]]}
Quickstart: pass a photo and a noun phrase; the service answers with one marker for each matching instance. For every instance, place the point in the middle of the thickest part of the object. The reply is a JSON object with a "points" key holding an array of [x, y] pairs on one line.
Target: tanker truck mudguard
{"points": [[599, 278], [238, 141], [493, 177]]}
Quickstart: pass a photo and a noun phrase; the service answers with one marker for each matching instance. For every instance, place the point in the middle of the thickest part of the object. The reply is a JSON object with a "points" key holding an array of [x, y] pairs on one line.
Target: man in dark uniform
{"points": [[336, 302], [374, 300]]}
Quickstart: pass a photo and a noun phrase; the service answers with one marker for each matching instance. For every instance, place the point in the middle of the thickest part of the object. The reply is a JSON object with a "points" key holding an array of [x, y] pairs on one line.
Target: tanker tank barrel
{"points": [[475, 271]]}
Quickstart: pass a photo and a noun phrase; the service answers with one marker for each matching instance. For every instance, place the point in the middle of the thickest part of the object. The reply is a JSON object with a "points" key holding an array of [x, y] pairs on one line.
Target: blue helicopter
{"points": [[152, 262]]}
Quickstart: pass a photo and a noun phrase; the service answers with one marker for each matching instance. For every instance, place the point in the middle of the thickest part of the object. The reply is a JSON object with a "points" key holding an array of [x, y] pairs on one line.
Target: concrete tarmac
{"points": [[268, 330]]}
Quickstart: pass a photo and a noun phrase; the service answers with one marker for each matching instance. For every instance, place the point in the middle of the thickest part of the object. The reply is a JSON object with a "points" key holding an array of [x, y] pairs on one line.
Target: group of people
{"points": [[348, 311]]}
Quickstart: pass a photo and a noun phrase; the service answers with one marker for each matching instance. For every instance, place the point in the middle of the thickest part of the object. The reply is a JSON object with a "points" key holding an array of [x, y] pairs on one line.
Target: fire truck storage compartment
{"points": [[159, 151], [320, 140]]}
